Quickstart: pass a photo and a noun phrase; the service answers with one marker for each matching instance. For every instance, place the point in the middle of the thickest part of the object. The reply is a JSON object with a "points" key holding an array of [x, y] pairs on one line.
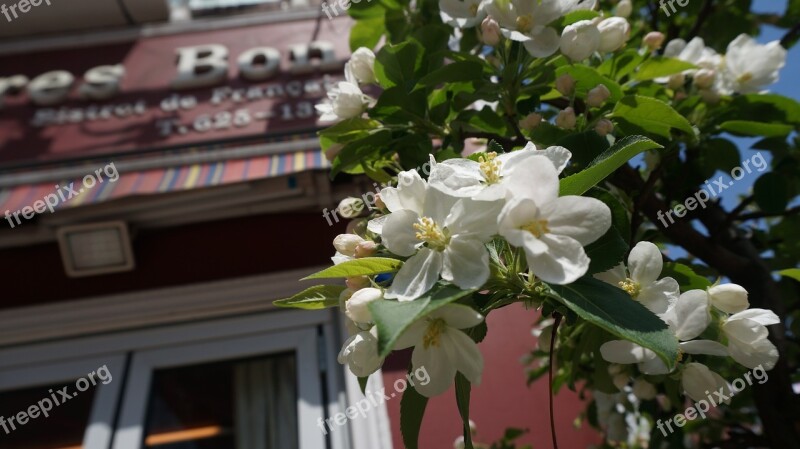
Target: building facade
{"points": [[160, 185]]}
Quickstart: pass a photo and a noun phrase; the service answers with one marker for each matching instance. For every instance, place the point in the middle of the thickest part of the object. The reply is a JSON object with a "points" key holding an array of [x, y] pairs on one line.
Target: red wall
{"points": [[502, 400]]}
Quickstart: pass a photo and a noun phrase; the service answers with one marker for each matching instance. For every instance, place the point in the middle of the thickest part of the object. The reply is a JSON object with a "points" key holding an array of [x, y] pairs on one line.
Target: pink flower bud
{"points": [[566, 119], [490, 31], [654, 40], [604, 127], [704, 78], [332, 151], [530, 122], [366, 249], [598, 96], [565, 84]]}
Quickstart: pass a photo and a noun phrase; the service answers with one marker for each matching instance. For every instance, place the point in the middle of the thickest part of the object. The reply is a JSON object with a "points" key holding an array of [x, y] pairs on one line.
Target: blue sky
{"points": [[787, 85]]}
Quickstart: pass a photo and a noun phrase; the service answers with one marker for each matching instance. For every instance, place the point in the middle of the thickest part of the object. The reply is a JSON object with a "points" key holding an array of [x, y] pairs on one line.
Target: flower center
{"points": [[429, 232], [631, 287], [537, 228], [490, 168], [747, 76], [434, 331], [473, 9], [524, 24]]}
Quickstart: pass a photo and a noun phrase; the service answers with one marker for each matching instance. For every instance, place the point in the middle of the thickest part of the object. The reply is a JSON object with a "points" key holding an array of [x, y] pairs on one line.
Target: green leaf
{"points": [[367, 266], [651, 116], [313, 298], [771, 192], [686, 277], [606, 252], [605, 164], [748, 128], [394, 317], [463, 389], [362, 383], [412, 410], [576, 16], [587, 78], [657, 67], [793, 273], [396, 65], [460, 71], [622, 64], [367, 32], [613, 310]]}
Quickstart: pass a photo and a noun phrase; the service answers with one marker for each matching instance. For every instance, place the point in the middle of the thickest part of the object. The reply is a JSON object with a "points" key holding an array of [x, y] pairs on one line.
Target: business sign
{"points": [[167, 91]]}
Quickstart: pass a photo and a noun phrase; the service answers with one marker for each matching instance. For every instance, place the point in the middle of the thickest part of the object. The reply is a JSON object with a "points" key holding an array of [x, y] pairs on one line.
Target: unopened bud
{"points": [[530, 122], [350, 207], [604, 127], [643, 389], [332, 151], [620, 381], [597, 96], [565, 84], [704, 78], [357, 307], [676, 81], [654, 40], [357, 282], [566, 119], [681, 95], [346, 243], [490, 31], [614, 33], [366, 249], [357, 226], [579, 40], [624, 8]]}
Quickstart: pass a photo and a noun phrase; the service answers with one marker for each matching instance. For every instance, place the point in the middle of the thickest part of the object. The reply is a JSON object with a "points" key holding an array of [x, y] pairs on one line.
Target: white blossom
{"points": [[551, 230], [699, 382], [580, 40], [443, 349], [750, 67], [462, 13], [747, 338], [614, 33], [357, 307], [361, 67], [360, 353], [345, 101], [641, 282]]}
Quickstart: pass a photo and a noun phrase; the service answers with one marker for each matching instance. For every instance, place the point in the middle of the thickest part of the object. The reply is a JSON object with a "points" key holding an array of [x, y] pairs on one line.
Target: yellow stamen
{"points": [[747, 76], [434, 331], [473, 9], [429, 232], [631, 287], [490, 167], [537, 228], [524, 24]]}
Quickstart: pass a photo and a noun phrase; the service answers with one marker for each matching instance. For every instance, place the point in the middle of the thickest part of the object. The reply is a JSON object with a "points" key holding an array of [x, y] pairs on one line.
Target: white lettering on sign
{"points": [[198, 66]]}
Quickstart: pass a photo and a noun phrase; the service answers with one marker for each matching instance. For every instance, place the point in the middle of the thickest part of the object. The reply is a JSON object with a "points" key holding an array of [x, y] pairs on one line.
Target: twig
{"points": [[557, 317], [708, 7], [790, 38], [757, 215]]}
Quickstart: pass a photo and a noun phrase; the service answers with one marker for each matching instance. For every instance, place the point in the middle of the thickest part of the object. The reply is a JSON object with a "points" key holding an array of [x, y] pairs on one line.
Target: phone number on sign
{"points": [[239, 118]]}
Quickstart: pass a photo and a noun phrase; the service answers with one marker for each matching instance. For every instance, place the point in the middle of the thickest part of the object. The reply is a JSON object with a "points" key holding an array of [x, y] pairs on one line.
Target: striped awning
{"points": [[164, 180]]}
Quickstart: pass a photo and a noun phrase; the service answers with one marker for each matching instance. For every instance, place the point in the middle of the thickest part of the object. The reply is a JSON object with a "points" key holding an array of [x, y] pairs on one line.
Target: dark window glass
{"points": [[243, 404]]}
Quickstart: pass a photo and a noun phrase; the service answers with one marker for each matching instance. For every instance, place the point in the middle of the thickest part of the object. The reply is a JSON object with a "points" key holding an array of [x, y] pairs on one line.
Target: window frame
{"points": [[100, 425]]}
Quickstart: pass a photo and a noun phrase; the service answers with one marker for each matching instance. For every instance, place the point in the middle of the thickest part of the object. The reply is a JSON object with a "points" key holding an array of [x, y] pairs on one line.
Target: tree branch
{"points": [[790, 38], [708, 8], [758, 215]]}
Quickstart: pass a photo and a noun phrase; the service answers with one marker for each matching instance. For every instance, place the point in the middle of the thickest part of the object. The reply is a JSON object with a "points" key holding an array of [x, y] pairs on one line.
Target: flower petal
{"points": [[761, 316], [645, 263], [533, 178], [458, 316], [467, 357], [659, 296], [623, 352], [690, 315], [581, 218], [762, 353], [466, 263], [416, 276], [564, 261], [707, 347], [440, 365], [457, 177], [398, 233], [729, 298], [543, 44], [474, 218]]}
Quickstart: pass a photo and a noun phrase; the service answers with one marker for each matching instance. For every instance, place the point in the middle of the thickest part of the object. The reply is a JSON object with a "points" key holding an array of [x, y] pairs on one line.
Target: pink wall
{"points": [[503, 399]]}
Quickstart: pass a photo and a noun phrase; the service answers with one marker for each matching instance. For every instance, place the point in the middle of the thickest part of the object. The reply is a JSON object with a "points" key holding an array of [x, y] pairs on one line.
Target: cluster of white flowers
{"points": [[346, 100], [442, 226], [746, 67], [688, 315]]}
